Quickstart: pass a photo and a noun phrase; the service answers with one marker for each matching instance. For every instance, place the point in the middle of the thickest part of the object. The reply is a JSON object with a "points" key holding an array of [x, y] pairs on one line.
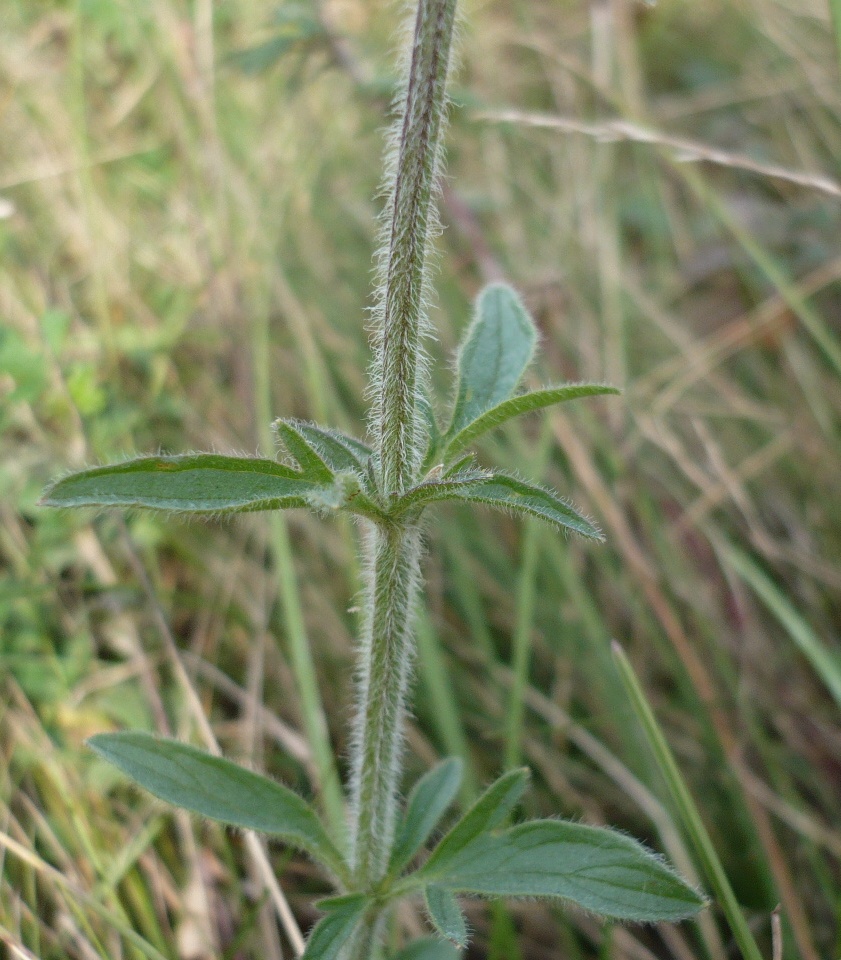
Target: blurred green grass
{"points": [[186, 251]]}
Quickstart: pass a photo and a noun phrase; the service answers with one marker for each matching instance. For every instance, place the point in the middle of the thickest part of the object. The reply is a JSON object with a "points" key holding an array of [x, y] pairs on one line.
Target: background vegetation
{"points": [[188, 202]]}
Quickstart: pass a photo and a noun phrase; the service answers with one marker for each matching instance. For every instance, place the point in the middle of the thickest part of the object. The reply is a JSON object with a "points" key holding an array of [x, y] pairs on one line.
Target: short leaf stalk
{"points": [[393, 569], [395, 851]]}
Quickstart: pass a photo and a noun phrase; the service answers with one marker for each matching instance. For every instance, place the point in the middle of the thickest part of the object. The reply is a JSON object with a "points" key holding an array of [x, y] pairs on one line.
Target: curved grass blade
{"points": [[194, 483], [216, 788], [601, 870], [824, 660], [497, 348], [445, 914], [687, 809], [427, 803], [334, 931], [517, 406]]}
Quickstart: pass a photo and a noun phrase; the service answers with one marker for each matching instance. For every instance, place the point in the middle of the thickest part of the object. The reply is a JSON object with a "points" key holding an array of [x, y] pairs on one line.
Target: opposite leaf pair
{"points": [[334, 471], [601, 870]]}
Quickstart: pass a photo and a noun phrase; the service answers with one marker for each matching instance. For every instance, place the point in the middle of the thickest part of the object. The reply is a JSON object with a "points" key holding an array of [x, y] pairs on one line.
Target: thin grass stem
{"points": [[686, 808]]}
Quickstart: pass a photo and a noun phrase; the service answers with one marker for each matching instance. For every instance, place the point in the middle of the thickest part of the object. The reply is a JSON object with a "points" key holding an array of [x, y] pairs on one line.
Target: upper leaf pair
{"points": [[494, 355], [336, 472]]}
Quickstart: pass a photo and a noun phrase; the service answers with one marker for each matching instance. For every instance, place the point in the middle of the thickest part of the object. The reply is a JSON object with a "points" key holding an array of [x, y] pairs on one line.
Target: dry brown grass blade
{"points": [[684, 149]]}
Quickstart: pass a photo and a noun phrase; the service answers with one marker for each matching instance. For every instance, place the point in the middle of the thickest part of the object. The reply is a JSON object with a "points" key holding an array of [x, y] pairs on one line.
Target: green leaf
{"points": [[433, 431], [516, 406], [333, 931], [338, 450], [335, 463], [429, 948], [601, 870], [196, 483], [460, 466], [427, 803], [305, 453], [216, 788], [492, 807], [441, 488], [496, 350], [445, 914], [505, 493]]}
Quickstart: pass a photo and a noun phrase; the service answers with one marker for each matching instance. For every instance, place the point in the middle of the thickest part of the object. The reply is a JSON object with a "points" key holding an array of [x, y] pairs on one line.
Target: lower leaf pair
{"points": [[601, 870]]}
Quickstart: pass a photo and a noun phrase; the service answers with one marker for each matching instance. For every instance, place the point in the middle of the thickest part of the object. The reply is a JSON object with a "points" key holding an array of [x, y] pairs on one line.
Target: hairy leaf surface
{"points": [[486, 813], [213, 787], [517, 406], [443, 488], [427, 803], [497, 348], [601, 870], [194, 483], [306, 454], [505, 493], [334, 931], [338, 450], [428, 949], [445, 914]]}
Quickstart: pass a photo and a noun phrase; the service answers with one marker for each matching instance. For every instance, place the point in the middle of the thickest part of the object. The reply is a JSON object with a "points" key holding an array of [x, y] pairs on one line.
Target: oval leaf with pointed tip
{"points": [[195, 483], [218, 789], [428, 801], [517, 406], [497, 348], [445, 914], [601, 870], [333, 931]]}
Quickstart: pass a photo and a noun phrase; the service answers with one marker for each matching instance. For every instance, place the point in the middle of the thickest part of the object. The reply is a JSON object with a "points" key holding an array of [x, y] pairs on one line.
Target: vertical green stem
{"points": [[386, 659], [393, 561], [409, 217]]}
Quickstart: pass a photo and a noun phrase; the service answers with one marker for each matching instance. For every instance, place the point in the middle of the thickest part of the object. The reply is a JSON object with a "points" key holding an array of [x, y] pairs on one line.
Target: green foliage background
{"points": [[185, 253]]}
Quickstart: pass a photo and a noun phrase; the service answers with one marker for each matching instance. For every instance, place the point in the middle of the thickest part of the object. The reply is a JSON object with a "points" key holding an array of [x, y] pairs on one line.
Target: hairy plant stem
{"points": [[385, 666], [394, 549], [410, 215]]}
